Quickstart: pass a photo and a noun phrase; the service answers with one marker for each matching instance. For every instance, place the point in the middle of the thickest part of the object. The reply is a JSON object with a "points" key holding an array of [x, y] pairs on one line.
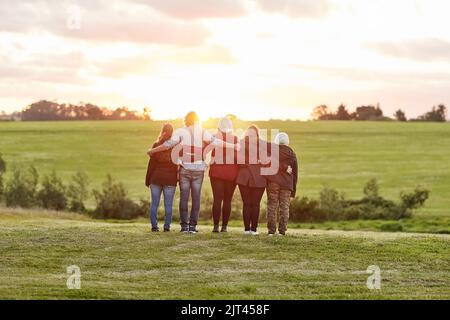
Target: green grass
{"points": [[125, 260], [344, 155]]}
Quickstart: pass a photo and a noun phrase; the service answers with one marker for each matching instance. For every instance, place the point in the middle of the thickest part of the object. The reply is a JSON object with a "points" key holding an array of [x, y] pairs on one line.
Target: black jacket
{"points": [[249, 173], [161, 170], [287, 157]]}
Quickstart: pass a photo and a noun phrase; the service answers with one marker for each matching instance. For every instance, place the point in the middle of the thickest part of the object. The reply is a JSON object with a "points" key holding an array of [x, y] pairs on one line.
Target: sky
{"points": [[258, 59]]}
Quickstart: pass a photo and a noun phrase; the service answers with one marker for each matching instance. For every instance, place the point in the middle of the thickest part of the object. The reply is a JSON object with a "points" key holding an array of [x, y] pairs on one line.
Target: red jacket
{"points": [[224, 161]]}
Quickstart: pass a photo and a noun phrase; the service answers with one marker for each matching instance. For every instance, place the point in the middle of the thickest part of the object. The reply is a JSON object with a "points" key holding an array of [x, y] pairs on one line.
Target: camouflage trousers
{"points": [[278, 201]]}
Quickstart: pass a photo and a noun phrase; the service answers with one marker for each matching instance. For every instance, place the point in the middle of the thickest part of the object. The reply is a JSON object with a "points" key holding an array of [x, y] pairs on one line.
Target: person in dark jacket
{"points": [[252, 184], [281, 186], [223, 171], [162, 178]]}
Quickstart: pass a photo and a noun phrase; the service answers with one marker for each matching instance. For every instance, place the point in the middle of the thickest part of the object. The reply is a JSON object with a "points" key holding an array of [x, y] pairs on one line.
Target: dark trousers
{"points": [[251, 197], [223, 192]]}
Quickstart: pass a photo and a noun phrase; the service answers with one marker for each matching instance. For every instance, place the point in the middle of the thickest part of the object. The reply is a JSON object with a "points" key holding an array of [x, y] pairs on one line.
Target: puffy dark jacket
{"points": [[161, 170], [287, 157], [249, 173]]}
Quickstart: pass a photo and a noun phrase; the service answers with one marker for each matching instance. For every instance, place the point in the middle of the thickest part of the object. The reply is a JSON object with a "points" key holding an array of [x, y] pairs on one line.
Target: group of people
{"points": [[178, 157]]}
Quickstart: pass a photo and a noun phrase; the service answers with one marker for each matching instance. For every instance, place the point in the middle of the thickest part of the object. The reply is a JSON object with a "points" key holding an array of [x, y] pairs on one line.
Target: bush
{"points": [[2, 171], [306, 210], [113, 202], [53, 193], [78, 192], [334, 206], [331, 203], [21, 189], [415, 199]]}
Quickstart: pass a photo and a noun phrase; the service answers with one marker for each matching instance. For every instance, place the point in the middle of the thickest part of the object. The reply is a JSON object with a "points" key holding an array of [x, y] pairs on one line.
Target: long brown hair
{"points": [[247, 142], [166, 134]]}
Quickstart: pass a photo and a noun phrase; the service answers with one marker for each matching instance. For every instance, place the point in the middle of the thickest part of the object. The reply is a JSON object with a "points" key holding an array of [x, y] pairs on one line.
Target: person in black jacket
{"points": [[162, 177], [281, 186], [252, 184]]}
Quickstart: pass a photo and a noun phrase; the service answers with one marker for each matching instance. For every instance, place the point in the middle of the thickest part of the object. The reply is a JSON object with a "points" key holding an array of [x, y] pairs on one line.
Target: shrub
{"points": [[332, 203], [371, 189], [113, 202], [306, 210], [53, 193], [78, 192], [2, 171], [21, 188], [333, 206], [415, 199]]}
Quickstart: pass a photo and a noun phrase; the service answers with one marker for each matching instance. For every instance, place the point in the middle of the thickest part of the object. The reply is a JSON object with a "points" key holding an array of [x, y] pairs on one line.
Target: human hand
{"points": [[289, 170]]}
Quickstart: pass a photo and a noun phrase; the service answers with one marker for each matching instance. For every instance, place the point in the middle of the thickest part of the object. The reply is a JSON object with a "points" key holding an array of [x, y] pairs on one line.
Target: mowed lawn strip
{"points": [[126, 260]]}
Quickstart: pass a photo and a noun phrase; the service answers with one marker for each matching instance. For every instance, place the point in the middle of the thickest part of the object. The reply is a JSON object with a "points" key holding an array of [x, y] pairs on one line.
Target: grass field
{"points": [[344, 155], [125, 260]]}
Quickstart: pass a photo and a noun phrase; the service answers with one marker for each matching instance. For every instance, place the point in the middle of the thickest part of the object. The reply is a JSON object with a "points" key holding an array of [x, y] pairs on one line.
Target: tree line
{"points": [[52, 111], [375, 113]]}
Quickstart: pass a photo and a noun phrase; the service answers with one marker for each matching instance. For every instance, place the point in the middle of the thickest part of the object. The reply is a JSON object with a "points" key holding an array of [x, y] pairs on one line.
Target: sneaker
{"points": [[271, 234], [166, 229], [155, 229], [282, 233], [216, 228], [254, 233], [193, 230], [247, 232], [224, 229], [184, 230]]}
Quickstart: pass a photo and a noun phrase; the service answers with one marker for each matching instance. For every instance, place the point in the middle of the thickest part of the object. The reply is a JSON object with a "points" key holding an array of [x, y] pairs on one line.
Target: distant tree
{"points": [[342, 113], [400, 115], [41, 111], [368, 113], [52, 111], [146, 114], [437, 114], [93, 112], [322, 112]]}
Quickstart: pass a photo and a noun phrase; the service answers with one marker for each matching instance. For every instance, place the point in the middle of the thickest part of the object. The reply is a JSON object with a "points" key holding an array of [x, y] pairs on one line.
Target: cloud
{"points": [[51, 68], [297, 8], [195, 9], [144, 63], [396, 78], [430, 49], [100, 20]]}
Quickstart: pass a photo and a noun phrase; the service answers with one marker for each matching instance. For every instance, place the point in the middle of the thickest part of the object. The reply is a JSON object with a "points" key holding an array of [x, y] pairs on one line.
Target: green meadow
{"points": [[127, 261], [343, 155]]}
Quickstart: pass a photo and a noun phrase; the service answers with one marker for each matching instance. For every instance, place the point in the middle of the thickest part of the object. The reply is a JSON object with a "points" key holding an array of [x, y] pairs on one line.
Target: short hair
{"points": [[191, 118]]}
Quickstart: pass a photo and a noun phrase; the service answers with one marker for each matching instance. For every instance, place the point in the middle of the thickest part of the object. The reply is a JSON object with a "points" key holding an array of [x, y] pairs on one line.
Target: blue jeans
{"points": [[169, 193], [190, 184]]}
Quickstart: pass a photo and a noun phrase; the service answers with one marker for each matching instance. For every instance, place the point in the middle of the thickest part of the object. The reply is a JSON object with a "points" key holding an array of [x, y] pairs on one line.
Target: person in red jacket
{"points": [[222, 173]]}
